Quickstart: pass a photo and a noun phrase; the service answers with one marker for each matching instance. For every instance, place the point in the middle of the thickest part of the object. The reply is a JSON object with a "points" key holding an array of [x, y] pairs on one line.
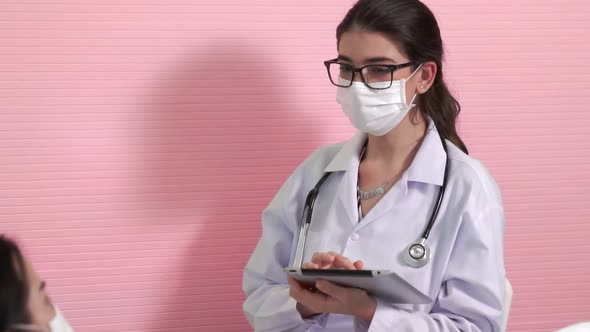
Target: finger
{"points": [[323, 260], [315, 301], [327, 261], [310, 265], [341, 262], [298, 287], [294, 285], [359, 264], [333, 254], [294, 288], [331, 289], [317, 258]]}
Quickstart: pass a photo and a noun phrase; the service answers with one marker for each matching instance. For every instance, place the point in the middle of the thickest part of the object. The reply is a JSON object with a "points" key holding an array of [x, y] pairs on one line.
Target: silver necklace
{"points": [[367, 195]]}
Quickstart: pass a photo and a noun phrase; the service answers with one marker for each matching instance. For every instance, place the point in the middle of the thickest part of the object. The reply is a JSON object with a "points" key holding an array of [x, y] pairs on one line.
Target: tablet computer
{"points": [[386, 285]]}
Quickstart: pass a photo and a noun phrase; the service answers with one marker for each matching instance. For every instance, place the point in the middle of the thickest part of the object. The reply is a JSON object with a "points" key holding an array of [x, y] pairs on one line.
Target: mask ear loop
{"points": [[411, 104], [415, 71]]}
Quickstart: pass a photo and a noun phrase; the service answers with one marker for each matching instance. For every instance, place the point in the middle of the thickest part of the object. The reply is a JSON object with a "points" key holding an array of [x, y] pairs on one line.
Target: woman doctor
{"points": [[384, 184]]}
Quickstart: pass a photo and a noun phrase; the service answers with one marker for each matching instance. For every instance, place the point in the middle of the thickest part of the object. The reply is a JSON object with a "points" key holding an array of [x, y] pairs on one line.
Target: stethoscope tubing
{"points": [[409, 258]]}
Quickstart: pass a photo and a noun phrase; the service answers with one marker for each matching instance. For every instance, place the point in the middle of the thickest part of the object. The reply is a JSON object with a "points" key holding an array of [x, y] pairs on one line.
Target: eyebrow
{"points": [[369, 60]]}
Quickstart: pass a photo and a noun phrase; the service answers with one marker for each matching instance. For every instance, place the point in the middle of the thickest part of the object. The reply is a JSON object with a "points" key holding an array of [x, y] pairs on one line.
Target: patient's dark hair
{"points": [[14, 291]]}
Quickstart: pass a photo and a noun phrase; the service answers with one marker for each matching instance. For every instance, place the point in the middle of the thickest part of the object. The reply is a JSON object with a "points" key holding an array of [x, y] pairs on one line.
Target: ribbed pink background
{"points": [[141, 139]]}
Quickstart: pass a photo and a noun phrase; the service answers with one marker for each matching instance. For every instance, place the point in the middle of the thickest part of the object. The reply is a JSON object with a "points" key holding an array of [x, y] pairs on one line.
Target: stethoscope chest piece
{"points": [[417, 254]]}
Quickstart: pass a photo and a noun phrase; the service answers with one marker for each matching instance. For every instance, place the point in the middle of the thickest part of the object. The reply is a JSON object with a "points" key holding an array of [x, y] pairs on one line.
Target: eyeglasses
{"points": [[378, 77]]}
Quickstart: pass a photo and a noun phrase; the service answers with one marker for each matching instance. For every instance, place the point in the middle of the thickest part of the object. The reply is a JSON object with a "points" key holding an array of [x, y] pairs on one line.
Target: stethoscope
{"points": [[416, 254]]}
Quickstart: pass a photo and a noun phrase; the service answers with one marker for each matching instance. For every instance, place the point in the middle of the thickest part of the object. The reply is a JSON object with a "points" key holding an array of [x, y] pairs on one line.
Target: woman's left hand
{"points": [[334, 299]]}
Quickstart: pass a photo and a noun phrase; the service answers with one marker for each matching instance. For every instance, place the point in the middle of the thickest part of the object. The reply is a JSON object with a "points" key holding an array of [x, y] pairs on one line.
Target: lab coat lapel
{"points": [[346, 196], [427, 167], [392, 199], [347, 161]]}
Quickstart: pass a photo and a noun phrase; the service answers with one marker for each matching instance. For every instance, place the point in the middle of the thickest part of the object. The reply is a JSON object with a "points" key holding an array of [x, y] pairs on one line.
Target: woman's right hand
{"points": [[326, 260], [332, 260]]}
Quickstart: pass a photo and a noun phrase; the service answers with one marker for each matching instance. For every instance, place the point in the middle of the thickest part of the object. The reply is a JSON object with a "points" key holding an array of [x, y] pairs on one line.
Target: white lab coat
{"points": [[580, 327], [465, 275]]}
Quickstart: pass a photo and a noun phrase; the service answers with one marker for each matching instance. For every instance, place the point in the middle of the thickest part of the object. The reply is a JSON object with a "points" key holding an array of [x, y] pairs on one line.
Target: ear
{"points": [[427, 75]]}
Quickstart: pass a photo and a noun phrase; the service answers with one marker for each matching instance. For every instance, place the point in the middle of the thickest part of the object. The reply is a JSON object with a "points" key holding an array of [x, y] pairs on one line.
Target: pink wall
{"points": [[140, 140]]}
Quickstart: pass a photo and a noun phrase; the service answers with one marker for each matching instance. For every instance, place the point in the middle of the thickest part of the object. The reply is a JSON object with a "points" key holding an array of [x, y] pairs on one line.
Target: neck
{"points": [[398, 147]]}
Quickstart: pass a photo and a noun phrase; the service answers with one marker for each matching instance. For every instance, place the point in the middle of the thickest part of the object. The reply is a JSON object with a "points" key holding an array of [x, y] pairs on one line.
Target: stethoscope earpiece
{"points": [[417, 254]]}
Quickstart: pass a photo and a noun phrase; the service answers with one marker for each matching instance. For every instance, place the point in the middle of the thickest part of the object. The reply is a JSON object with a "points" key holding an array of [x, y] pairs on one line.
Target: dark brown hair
{"points": [[413, 28], [14, 290]]}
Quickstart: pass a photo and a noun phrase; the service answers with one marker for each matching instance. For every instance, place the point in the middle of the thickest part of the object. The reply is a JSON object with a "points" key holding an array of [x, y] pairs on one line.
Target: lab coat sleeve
{"points": [[268, 306], [472, 294]]}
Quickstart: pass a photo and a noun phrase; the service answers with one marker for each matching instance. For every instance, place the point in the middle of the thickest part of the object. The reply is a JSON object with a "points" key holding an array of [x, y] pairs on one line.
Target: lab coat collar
{"points": [[348, 155], [427, 167]]}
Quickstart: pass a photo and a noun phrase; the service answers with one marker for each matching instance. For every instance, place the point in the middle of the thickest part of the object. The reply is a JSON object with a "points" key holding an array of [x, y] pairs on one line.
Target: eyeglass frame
{"points": [[391, 68]]}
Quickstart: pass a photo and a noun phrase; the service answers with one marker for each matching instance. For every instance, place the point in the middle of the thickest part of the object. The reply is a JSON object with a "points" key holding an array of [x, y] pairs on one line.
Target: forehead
{"points": [[360, 45]]}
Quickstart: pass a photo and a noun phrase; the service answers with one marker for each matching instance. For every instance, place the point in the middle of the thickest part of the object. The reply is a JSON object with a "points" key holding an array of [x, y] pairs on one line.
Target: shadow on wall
{"points": [[228, 134]]}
